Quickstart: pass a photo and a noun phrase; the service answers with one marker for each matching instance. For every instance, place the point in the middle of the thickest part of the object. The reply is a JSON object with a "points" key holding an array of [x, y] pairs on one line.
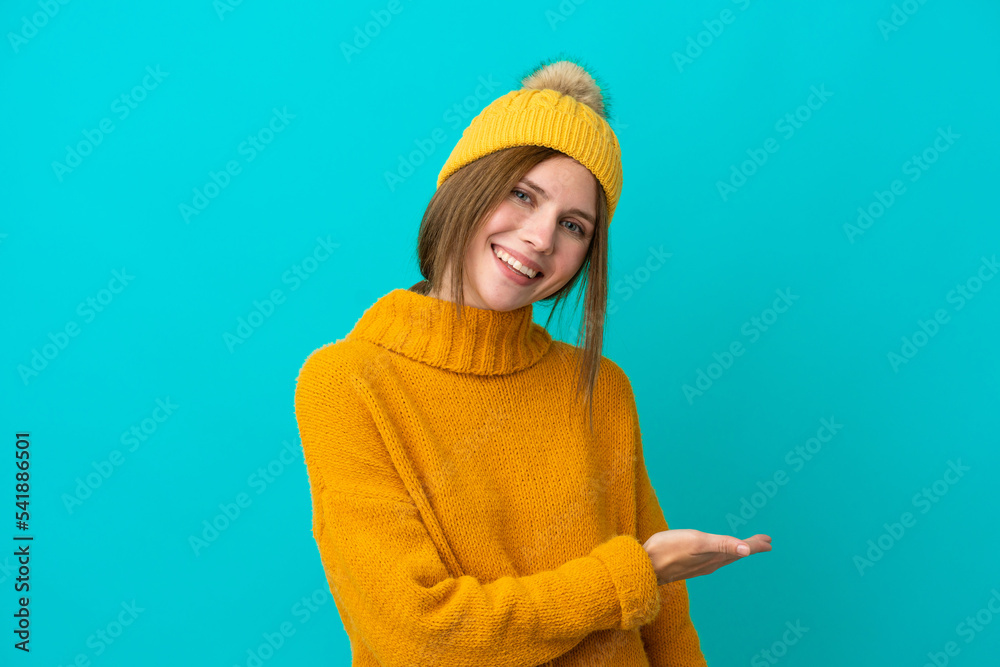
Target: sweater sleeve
{"points": [[393, 589], [670, 639]]}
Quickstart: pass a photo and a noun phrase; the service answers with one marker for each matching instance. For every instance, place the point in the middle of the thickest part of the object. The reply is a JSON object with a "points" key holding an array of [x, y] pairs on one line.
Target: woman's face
{"points": [[545, 222]]}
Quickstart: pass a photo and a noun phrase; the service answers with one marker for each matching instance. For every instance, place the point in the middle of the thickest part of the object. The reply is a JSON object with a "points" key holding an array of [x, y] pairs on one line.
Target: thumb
{"points": [[732, 546]]}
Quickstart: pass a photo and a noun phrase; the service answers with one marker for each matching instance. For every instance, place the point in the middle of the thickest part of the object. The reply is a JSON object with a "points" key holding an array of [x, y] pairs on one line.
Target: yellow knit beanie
{"points": [[560, 106]]}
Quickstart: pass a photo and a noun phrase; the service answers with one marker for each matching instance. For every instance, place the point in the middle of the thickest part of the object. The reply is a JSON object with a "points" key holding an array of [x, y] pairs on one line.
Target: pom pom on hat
{"points": [[568, 78]]}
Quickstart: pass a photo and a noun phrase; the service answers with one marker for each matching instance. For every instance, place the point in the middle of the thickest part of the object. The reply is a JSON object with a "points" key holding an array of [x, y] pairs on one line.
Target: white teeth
{"points": [[514, 263]]}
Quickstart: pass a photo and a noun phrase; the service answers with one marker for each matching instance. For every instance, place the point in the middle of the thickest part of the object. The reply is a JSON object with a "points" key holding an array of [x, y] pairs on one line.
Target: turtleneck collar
{"points": [[426, 329]]}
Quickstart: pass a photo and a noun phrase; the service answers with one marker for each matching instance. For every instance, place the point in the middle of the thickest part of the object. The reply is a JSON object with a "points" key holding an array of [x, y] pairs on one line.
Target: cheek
{"points": [[577, 259], [507, 214], [479, 257]]}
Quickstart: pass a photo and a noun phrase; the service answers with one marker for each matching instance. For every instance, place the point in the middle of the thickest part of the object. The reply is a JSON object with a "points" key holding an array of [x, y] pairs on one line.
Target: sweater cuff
{"points": [[632, 572]]}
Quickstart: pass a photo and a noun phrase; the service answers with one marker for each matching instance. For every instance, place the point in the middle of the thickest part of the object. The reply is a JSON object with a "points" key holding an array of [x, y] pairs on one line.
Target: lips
{"points": [[538, 273]]}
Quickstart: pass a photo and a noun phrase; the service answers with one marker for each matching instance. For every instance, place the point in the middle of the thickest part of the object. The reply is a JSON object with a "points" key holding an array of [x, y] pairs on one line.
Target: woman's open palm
{"points": [[684, 553]]}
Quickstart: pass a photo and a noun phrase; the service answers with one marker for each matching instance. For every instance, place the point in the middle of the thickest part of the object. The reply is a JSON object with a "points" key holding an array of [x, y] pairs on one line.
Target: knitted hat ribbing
{"points": [[559, 106]]}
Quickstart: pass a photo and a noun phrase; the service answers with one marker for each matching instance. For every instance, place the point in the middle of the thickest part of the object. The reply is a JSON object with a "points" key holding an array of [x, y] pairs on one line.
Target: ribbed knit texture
{"points": [[531, 117], [464, 513]]}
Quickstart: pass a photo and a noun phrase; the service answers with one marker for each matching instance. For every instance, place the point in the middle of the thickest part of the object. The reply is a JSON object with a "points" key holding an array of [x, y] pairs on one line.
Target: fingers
{"points": [[739, 548], [707, 544], [729, 545], [759, 543]]}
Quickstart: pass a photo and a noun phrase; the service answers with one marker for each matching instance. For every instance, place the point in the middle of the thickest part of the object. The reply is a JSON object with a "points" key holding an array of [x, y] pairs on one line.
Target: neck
{"points": [[473, 340]]}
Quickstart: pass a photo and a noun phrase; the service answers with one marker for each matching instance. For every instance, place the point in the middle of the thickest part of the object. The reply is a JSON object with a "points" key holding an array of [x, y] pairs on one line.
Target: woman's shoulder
{"points": [[337, 363], [612, 381]]}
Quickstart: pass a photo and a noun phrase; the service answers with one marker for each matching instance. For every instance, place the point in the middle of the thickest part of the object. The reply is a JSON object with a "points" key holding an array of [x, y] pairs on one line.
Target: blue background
{"points": [[351, 117]]}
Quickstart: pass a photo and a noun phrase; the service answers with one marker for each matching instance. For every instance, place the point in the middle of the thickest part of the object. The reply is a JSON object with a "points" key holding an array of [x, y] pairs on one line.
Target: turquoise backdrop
{"points": [[196, 195]]}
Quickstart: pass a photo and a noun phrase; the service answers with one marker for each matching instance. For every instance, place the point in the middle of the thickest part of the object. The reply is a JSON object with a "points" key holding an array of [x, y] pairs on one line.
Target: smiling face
{"points": [[546, 223]]}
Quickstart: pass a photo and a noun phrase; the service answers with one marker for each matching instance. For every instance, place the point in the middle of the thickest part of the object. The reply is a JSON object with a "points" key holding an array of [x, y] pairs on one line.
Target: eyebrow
{"points": [[586, 216]]}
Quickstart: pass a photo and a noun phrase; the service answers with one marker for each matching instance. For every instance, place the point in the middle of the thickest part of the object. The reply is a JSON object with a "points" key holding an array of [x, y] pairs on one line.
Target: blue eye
{"points": [[579, 229]]}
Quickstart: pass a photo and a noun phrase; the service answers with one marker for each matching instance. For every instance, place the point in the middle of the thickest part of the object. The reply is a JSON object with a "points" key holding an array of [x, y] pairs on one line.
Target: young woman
{"points": [[479, 491]]}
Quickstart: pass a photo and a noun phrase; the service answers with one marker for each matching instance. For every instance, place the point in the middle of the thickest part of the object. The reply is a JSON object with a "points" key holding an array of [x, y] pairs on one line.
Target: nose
{"points": [[539, 230]]}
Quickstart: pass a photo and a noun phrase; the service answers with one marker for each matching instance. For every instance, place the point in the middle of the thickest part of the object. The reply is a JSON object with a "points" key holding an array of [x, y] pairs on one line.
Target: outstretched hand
{"points": [[684, 553]]}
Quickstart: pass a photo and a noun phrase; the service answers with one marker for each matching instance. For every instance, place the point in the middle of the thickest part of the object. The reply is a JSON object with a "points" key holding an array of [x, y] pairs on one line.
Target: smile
{"points": [[514, 267]]}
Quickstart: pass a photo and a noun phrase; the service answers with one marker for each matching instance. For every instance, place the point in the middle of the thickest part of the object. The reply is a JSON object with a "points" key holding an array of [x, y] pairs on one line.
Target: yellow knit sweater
{"points": [[465, 514]]}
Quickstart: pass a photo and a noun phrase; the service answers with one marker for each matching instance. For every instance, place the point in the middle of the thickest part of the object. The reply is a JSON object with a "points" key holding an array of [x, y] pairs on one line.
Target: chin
{"points": [[498, 300], [505, 304]]}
